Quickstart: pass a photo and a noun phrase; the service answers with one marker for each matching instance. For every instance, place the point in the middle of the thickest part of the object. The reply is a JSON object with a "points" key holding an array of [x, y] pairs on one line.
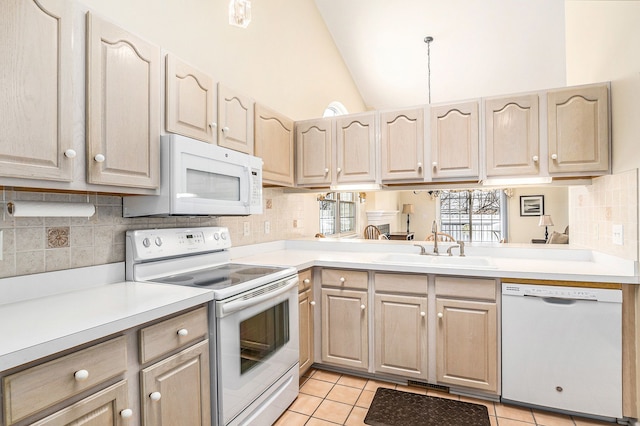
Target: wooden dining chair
{"points": [[442, 237], [371, 232]]}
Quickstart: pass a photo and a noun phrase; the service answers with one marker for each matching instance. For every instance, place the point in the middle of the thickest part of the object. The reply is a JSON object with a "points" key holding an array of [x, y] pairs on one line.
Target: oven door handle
{"points": [[239, 304]]}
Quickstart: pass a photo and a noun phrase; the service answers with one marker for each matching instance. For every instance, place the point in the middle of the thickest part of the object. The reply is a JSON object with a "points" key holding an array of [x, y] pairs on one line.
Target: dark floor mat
{"points": [[396, 408]]}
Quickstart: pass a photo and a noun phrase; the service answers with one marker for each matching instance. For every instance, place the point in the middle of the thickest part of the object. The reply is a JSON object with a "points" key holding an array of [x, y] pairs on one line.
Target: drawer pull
{"points": [[342, 279], [155, 396], [183, 332], [312, 303], [306, 281], [81, 375], [126, 413]]}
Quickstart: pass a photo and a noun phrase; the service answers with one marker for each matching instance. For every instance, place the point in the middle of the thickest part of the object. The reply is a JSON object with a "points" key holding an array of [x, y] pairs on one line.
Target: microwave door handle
{"points": [[237, 305]]}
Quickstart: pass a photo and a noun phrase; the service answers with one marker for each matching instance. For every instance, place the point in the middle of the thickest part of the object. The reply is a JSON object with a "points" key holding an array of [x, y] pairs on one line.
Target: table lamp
{"points": [[545, 220], [407, 209]]}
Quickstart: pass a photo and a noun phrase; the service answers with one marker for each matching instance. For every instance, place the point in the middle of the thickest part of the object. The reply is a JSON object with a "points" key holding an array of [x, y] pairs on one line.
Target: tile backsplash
{"points": [[41, 244], [595, 209]]}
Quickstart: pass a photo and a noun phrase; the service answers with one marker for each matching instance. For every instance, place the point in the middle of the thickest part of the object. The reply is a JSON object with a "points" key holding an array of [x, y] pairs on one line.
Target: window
{"points": [[474, 215], [335, 109], [338, 213]]}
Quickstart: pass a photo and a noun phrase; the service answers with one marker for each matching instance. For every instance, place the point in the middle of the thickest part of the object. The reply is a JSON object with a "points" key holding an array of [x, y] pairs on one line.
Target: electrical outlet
{"points": [[247, 229], [267, 227], [617, 235], [295, 223]]}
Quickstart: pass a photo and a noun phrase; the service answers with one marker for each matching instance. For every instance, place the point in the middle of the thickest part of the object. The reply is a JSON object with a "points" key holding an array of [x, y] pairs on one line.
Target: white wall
{"points": [[285, 59]]}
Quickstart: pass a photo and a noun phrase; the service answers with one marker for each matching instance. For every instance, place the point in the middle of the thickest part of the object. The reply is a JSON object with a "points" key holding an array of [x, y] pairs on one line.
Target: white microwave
{"points": [[201, 179]]}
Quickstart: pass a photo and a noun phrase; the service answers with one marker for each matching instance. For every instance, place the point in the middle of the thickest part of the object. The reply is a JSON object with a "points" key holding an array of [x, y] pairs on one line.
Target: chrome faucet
{"points": [[434, 230], [422, 250], [460, 244]]}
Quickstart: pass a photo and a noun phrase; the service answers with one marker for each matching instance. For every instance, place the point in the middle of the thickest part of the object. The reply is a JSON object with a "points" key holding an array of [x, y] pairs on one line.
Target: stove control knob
{"points": [[146, 242], [223, 235], [158, 241], [216, 236]]}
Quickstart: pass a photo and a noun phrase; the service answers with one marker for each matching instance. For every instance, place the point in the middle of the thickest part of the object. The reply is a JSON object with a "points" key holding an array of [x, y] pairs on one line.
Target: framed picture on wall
{"points": [[531, 205]]}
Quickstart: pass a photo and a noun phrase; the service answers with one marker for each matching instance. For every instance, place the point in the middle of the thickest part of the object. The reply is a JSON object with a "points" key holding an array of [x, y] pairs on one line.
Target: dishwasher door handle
{"points": [[561, 301]]}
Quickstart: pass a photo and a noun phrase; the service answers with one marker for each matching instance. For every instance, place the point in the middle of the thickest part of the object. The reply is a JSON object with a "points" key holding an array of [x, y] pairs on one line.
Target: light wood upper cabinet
{"points": [[355, 149], [512, 136], [191, 102], [274, 134], [123, 107], [314, 141], [235, 120], [578, 127], [345, 331], [454, 141], [36, 62], [402, 145]]}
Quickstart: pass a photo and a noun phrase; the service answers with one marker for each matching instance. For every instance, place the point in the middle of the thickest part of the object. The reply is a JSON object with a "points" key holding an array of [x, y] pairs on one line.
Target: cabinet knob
{"points": [[362, 307], [213, 125], [419, 166], [422, 314], [306, 281], [155, 396], [183, 332], [326, 171], [81, 375], [312, 303], [225, 130], [554, 156], [70, 153], [342, 279], [440, 315], [535, 158], [338, 170], [434, 164], [99, 158], [126, 413]]}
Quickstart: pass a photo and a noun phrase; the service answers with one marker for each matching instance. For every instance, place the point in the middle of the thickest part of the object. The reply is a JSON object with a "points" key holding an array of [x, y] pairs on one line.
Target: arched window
{"points": [[335, 108]]}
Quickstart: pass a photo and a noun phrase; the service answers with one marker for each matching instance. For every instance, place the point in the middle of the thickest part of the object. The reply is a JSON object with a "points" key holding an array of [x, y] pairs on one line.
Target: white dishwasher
{"points": [[562, 348]]}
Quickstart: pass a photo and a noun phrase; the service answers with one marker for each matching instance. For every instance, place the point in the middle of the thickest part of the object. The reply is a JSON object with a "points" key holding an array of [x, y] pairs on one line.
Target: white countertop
{"points": [[558, 263], [36, 327]]}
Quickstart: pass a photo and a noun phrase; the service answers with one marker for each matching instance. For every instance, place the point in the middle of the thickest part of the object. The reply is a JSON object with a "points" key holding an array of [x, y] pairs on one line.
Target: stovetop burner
{"points": [[220, 276]]}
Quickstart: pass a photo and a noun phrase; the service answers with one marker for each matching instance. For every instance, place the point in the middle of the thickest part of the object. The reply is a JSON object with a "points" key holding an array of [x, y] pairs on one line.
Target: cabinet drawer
{"points": [[306, 280], [44, 385], [344, 278], [168, 335], [401, 283], [466, 288]]}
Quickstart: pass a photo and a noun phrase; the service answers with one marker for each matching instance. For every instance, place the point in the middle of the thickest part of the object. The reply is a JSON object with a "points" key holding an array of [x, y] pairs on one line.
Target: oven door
{"points": [[257, 343]]}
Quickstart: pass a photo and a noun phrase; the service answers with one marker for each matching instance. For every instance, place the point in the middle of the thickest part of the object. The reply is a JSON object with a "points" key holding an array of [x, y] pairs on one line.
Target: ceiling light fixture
{"points": [[428, 40], [240, 13]]}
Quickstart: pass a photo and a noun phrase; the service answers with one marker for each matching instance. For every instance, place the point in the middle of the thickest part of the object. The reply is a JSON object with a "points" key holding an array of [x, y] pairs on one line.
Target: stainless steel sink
{"points": [[444, 261]]}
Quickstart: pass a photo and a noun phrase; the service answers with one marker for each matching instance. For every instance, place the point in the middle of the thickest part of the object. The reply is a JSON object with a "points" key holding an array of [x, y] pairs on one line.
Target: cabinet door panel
{"points": [[305, 312], [235, 120], [274, 144], [183, 384], [313, 152], [103, 408], [511, 126], [36, 93], [454, 140], [402, 145], [578, 120], [355, 146], [123, 109], [191, 105], [344, 328], [401, 335], [466, 344]]}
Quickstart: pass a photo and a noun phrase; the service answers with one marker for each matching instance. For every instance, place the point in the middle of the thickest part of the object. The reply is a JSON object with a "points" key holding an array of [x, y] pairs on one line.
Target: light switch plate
{"points": [[247, 229], [617, 235], [267, 227]]}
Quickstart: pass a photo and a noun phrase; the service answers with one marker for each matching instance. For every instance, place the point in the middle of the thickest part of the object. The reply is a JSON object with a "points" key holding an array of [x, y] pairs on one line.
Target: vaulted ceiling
{"points": [[479, 48]]}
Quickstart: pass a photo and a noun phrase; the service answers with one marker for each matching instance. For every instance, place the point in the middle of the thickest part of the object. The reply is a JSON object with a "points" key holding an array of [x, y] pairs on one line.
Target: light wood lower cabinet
{"points": [[401, 335], [467, 334], [306, 312], [345, 331], [105, 408], [176, 390]]}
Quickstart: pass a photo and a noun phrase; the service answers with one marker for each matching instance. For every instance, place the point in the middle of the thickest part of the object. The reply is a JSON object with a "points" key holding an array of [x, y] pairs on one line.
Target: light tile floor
{"points": [[329, 399]]}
